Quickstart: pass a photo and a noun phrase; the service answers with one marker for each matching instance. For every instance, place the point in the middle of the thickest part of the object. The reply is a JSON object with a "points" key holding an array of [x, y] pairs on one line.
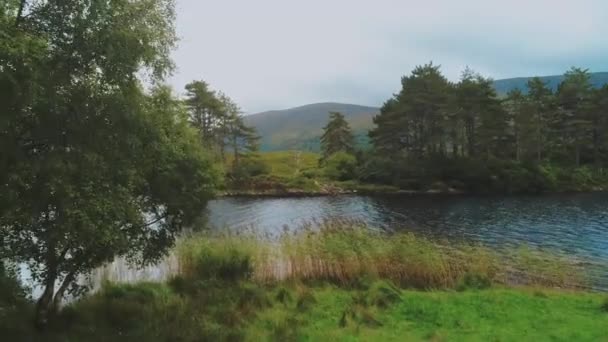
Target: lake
{"points": [[575, 225]]}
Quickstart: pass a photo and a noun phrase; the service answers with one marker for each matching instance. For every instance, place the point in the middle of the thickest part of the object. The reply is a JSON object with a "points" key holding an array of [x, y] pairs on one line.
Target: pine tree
{"points": [[413, 121], [337, 136], [573, 122]]}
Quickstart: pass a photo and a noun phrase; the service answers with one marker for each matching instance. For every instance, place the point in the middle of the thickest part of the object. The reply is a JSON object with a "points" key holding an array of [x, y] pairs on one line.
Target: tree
{"points": [[337, 136], [599, 123], [573, 124], [205, 111], [521, 122], [541, 100], [480, 111], [92, 166], [413, 121]]}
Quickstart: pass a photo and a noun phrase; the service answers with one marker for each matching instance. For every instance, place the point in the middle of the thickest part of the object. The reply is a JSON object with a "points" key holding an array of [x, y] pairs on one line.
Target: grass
{"points": [[244, 311], [344, 252], [289, 164], [334, 283], [299, 172]]}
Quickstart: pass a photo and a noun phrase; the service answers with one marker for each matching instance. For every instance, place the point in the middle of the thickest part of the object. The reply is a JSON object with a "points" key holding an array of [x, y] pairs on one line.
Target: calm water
{"points": [[572, 224], [575, 225]]}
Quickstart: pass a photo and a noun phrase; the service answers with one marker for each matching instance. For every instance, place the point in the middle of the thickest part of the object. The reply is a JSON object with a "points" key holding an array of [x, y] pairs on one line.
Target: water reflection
{"points": [[571, 224]]}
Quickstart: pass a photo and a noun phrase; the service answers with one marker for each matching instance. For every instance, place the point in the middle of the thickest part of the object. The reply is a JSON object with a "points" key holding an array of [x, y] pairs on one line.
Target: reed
{"points": [[346, 252]]}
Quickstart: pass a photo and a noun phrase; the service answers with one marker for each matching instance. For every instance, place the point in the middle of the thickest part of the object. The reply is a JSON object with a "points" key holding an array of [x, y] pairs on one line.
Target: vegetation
{"points": [[300, 128], [345, 252], [466, 137], [99, 159], [92, 166], [337, 137], [227, 291], [221, 128]]}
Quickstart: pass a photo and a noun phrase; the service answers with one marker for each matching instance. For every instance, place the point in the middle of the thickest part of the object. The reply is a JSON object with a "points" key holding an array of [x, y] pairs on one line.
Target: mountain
{"points": [[598, 79], [300, 127]]}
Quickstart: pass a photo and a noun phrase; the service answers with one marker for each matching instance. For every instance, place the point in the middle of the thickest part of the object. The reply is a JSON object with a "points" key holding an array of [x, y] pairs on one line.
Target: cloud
{"points": [[270, 54]]}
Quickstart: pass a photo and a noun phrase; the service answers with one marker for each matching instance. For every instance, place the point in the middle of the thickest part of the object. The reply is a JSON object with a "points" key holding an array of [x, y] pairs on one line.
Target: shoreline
{"points": [[296, 193]]}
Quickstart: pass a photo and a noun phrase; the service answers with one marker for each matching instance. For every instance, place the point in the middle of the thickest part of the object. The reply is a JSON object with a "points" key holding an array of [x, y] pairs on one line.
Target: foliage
{"points": [[93, 166], [340, 166], [463, 135], [337, 136]]}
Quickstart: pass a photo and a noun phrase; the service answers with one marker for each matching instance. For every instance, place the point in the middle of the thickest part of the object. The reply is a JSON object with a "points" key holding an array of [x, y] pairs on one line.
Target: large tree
{"points": [[541, 101], [572, 121], [413, 121], [92, 167], [337, 136]]}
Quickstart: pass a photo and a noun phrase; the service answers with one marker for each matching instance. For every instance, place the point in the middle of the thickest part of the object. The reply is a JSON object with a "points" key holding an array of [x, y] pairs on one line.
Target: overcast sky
{"points": [[275, 54]]}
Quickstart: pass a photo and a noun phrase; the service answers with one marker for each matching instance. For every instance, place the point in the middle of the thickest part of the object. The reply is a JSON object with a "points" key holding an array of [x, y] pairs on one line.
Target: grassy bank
{"points": [[336, 283], [220, 310], [296, 173]]}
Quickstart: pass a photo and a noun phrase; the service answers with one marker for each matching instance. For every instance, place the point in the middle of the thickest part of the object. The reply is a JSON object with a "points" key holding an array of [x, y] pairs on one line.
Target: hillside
{"points": [[299, 128], [503, 86]]}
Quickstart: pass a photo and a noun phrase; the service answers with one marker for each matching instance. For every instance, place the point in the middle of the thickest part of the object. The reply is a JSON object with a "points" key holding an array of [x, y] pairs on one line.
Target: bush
{"points": [[229, 260], [340, 166], [249, 167]]}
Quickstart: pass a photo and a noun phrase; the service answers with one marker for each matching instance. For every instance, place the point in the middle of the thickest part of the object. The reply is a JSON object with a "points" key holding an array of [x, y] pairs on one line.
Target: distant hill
{"points": [[598, 79], [300, 127]]}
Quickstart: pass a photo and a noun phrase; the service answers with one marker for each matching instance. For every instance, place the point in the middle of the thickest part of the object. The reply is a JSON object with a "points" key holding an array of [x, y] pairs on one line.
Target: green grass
{"points": [[488, 315], [289, 164], [339, 283], [298, 171], [243, 311]]}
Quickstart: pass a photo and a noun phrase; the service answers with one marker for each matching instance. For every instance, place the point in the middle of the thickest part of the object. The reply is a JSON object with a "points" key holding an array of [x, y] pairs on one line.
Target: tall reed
{"points": [[345, 251]]}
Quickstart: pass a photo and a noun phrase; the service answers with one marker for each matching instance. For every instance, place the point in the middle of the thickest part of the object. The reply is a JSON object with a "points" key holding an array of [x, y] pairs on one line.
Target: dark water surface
{"points": [[571, 224]]}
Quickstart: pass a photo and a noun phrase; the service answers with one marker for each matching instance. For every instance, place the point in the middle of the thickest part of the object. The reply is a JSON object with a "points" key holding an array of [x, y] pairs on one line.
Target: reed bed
{"points": [[346, 252]]}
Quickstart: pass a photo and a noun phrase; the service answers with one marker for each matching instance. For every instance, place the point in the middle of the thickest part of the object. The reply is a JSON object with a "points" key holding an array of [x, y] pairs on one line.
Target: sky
{"points": [[276, 54]]}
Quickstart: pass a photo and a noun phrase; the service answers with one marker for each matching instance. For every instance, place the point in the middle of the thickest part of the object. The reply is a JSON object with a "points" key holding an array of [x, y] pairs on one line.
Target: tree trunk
{"points": [[44, 307], [58, 298], [22, 4], [596, 153]]}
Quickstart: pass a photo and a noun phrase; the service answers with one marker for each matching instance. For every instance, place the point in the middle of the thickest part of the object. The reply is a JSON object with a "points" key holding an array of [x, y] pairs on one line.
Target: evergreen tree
{"points": [[337, 136], [573, 121], [412, 123], [542, 106], [521, 125], [205, 111]]}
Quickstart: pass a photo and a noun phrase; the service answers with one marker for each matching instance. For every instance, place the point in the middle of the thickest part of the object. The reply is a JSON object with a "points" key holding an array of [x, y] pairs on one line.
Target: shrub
{"points": [[340, 166]]}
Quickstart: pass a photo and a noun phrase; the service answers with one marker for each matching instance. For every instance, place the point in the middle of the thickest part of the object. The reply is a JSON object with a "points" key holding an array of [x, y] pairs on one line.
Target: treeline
{"points": [[222, 131], [436, 133]]}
